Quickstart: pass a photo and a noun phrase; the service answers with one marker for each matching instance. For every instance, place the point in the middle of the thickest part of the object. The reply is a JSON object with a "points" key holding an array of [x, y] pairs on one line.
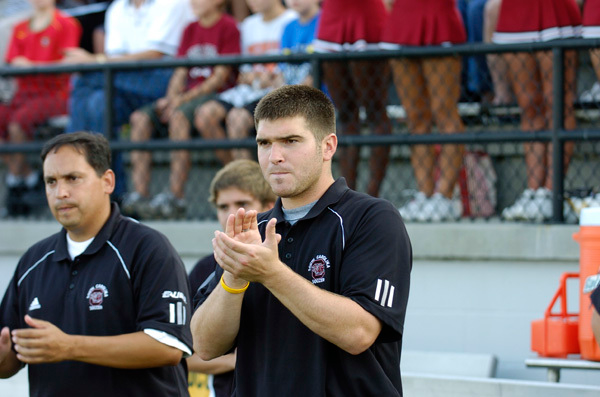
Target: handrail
{"points": [[425, 51], [345, 140], [557, 136]]}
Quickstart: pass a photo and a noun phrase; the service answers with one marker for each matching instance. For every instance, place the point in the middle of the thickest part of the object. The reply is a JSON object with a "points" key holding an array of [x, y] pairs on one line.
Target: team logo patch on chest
{"points": [[317, 268], [96, 295]]}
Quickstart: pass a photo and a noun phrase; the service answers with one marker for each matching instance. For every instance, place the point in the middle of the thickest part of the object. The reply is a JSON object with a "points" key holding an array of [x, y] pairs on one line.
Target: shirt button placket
{"points": [[288, 255], [74, 273]]}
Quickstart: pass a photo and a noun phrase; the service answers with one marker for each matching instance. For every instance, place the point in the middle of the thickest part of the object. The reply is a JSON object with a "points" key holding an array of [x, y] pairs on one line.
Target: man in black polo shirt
{"points": [[312, 293], [102, 307], [595, 297], [240, 184]]}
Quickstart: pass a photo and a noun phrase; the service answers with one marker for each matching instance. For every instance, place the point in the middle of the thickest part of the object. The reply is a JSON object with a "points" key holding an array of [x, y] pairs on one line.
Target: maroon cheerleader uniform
{"points": [[591, 19], [537, 20], [350, 25], [423, 22]]}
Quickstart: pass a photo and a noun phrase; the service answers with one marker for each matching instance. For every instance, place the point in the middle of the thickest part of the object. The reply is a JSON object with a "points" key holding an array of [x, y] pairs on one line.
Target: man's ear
{"points": [[329, 146], [108, 179]]}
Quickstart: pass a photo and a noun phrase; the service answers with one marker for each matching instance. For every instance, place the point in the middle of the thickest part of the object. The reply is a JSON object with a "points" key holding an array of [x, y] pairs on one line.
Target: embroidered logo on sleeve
{"points": [[177, 310], [96, 295], [384, 293], [317, 268], [35, 304]]}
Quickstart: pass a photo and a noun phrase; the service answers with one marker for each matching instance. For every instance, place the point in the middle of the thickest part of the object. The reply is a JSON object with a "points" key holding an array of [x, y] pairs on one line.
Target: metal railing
{"points": [[557, 135]]}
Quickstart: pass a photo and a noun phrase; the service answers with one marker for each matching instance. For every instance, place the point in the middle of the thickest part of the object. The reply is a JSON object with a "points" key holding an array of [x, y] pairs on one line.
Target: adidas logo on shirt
{"points": [[384, 293], [35, 304]]}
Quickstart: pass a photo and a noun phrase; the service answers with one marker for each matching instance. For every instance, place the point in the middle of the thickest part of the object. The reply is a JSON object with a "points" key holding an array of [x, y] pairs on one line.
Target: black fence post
{"points": [[108, 104], [315, 66], [558, 122]]}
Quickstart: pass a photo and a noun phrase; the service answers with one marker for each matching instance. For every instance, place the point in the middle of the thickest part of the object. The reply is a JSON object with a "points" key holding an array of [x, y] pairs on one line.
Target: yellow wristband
{"points": [[233, 290], [100, 58]]}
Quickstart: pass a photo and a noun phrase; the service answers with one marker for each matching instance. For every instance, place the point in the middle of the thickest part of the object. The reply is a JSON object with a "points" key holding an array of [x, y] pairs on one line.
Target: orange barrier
{"points": [[556, 335], [588, 238]]}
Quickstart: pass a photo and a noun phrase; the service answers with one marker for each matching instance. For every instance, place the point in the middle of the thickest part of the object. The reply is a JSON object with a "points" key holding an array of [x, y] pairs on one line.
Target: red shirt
{"points": [[200, 42], [47, 45]]}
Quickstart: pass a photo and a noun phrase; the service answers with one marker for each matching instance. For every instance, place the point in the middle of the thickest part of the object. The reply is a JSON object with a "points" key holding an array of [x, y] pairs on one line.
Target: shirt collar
{"points": [[331, 196], [62, 252]]}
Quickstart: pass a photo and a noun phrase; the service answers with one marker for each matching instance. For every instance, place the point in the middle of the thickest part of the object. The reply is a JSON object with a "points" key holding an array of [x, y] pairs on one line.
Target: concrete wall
{"points": [[441, 386], [476, 286]]}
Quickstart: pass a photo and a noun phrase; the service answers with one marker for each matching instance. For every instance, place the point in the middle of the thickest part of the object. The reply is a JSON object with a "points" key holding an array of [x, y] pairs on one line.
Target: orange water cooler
{"points": [[556, 335], [588, 238]]}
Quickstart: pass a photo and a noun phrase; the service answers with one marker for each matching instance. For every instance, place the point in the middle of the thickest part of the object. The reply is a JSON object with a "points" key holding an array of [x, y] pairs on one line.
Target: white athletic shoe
{"points": [[410, 210], [517, 210], [531, 205], [573, 205], [134, 204], [591, 95], [438, 208], [571, 208], [166, 206]]}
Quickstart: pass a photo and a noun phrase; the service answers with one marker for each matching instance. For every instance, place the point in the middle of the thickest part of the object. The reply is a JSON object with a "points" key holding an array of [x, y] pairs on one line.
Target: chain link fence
{"points": [[410, 130]]}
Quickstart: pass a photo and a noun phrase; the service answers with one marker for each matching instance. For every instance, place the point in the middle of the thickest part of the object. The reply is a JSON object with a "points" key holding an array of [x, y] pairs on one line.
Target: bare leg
{"points": [[179, 130], [339, 83], [496, 63], [371, 78], [207, 120], [410, 84], [443, 85], [595, 57], [239, 122], [526, 82], [546, 71], [17, 163], [98, 36], [141, 161]]}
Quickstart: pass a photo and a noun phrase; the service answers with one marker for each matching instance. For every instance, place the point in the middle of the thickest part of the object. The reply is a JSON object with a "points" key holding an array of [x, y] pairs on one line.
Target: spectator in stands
{"points": [[429, 89], [485, 75], [531, 76], [591, 30], [39, 40], [356, 25], [298, 37], [240, 184], [595, 297], [11, 13], [475, 70], [261, 34], [496, 62], [136, 30], [214, 33]]}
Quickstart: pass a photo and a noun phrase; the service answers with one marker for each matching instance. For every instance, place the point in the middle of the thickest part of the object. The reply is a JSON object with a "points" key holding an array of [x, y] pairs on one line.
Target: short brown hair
{"points": [[244, 175], [299, 100], [94, 147]]}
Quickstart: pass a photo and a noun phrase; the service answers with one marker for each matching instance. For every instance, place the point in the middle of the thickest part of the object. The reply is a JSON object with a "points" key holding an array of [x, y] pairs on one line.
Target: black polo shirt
{"points": [[595, 298], [353, 245], [129, 279], [203, 272]]}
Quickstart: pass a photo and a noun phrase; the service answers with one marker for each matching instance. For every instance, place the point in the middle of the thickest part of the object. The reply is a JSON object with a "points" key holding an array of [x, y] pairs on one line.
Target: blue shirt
{"points": [[297, 38]]}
